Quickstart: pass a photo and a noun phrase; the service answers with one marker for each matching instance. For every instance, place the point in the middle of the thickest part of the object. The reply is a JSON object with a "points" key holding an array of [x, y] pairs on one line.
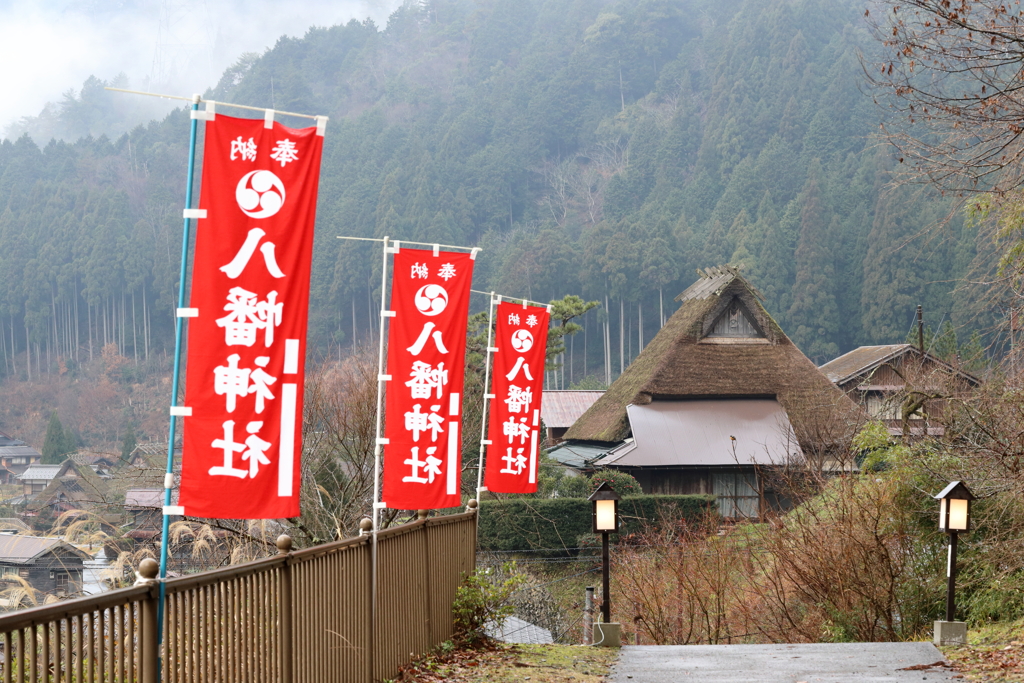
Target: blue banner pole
{"points": [[178, 324]]}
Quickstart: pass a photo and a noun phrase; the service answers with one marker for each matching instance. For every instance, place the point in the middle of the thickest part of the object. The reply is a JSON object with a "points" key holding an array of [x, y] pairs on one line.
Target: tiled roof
{"points": [[23, 451], [19, 549], [560, 409], [144, 498], [6, 440], [849, 364], [866, 358], [40, 472]]}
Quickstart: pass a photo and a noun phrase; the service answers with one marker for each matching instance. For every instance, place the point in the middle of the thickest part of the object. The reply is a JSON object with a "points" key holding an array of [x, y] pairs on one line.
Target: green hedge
{"points": [[532, 523]]}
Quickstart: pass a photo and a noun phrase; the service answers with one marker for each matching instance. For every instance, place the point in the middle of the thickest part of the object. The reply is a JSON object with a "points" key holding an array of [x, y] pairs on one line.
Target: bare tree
{"points": [[339, 428], [951, 74]]}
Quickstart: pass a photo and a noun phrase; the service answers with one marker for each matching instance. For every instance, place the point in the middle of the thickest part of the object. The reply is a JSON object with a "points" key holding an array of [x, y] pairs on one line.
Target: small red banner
{"points": [[521, 337], [426, 357], [247, 341]]}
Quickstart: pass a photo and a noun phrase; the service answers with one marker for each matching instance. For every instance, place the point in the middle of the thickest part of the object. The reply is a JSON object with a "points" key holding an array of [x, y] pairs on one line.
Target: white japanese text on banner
{"points": [[426, 357], [246, 348]]}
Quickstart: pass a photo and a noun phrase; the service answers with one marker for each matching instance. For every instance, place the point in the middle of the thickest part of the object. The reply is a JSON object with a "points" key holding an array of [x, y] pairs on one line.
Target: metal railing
{"points": [[300, 617]]}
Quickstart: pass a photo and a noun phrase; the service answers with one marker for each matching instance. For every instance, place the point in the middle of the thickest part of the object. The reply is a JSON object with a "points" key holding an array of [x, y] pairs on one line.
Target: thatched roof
{"points": [[683, 362], [74, 484]]}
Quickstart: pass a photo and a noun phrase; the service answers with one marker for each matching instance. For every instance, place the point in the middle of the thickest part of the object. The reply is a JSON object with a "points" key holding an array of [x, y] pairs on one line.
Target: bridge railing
{"points": [[302, 616]]}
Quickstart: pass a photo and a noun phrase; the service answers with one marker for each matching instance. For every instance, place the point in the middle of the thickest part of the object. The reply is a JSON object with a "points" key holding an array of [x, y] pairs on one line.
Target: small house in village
{"points": [[144, 510], [900, 385], [15, 457], [49, 565], [101, 463], [561, 408], [73, 487], [718, 398], [35, 478]]}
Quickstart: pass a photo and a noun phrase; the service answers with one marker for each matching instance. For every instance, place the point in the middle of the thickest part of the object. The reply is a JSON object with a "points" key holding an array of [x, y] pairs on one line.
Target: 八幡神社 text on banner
{"points": [[426, 357], [521, 338], [247, 341]]}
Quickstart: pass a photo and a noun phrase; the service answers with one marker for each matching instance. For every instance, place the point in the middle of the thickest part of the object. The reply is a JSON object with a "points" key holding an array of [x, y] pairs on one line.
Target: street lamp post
{"points": [[954, 517], [606, 521]]}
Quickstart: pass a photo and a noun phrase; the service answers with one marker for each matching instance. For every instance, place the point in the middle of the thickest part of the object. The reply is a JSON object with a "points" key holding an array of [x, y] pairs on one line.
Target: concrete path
{"points": [[816, 663]]}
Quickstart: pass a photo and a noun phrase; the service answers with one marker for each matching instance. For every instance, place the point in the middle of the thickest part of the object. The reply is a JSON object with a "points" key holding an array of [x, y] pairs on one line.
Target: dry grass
{"points": [[993, 654], [499, 663]]}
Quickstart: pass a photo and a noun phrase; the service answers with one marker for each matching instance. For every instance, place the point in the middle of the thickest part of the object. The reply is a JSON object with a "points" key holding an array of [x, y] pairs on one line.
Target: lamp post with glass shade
{"points": [[606, 521], [954, 518]]}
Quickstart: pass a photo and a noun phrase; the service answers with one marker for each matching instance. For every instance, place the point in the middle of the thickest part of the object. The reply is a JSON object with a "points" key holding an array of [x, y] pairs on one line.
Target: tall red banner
{"points": [[247, 339], [426, 357], [521, 339]]}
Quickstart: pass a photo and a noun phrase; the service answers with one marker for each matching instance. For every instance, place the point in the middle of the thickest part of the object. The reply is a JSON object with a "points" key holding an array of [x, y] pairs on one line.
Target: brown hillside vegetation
{"points": [[97, 400]]}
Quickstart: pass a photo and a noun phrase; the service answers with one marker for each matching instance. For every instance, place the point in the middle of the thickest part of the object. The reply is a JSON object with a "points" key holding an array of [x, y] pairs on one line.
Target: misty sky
{"points": [[175, 46]]}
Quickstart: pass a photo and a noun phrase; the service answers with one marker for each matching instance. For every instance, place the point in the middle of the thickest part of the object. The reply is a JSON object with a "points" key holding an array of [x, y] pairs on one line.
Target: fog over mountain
{"points": [[174, 46]]}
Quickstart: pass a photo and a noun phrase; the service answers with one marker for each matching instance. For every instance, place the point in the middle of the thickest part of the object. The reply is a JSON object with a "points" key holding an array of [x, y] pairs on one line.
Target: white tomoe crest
{"points": [[260, 194]]}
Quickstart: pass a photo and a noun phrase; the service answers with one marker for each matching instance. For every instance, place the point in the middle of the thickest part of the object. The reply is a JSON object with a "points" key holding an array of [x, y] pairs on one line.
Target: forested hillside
{"points": [[600, 148]]}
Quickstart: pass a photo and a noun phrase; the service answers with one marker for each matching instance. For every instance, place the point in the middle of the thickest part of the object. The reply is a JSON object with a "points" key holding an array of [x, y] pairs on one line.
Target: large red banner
{"points": [[521, 339], [247, 340], [426, 357]]}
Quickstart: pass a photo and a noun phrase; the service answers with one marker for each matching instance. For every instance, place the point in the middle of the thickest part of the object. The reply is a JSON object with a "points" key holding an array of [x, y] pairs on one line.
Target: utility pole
{"points": [[920, 330]]}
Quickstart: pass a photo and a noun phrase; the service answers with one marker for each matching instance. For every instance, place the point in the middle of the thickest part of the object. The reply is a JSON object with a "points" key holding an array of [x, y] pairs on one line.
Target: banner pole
{"points": [[377, 448], [487, 384], [178, 324]]}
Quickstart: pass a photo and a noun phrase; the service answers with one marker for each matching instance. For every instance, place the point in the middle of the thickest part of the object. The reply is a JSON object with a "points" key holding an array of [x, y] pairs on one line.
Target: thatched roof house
{"points": [[719, 391], [74, 487], [900, 385]]}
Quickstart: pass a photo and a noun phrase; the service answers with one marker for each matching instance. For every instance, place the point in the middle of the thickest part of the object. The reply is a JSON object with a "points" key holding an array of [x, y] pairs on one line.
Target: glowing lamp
{"points": [[955, 508], [606, 509]]}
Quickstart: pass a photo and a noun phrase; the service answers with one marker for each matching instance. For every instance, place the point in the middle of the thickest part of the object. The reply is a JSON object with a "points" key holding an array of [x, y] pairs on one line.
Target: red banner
{"points": [[521, 338], [426, 356], [247, 339]]}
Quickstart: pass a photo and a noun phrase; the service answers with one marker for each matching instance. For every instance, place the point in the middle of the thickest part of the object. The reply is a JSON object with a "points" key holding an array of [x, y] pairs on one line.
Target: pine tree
{"points": [[128, 442], [57, 442]]}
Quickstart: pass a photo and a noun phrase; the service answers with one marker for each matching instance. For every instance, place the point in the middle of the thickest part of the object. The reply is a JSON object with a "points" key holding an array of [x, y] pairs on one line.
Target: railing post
{"points": [[428, 587], [284, 607], [365, 528], [149, 640], [474, 506]]}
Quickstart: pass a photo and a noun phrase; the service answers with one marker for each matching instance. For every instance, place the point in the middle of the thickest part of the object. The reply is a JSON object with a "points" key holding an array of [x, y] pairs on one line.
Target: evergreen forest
{"points": [[593, 147]]}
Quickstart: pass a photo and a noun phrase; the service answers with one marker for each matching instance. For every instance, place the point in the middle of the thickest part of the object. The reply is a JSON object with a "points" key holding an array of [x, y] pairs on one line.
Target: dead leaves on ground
{"points": [[499, 663], [991, 663]]}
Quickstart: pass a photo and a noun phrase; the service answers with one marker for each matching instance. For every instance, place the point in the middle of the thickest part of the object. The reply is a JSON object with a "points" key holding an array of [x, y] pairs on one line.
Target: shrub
{"points": [[531, 523], [624, 483], [573, 487], [483, 600]]}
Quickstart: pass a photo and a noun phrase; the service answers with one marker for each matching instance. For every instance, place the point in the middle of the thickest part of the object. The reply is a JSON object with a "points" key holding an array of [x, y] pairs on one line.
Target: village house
{"points": [[15, 457], [49, 565], [101, 463], [73, 487], [719, 397], [35, 478], [897, 383], [143, 509], [559, 409]]}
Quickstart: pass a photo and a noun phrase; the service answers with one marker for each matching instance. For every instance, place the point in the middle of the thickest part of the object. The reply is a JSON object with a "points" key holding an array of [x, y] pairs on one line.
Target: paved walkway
{"points": [[816, 663]]}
